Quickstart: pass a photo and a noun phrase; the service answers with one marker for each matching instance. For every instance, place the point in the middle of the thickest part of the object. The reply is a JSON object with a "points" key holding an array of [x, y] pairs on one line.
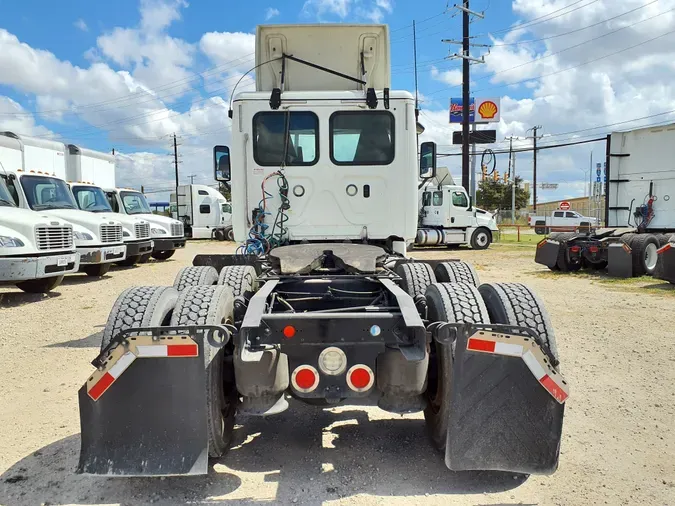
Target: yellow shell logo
{"points": [[487, 109]]}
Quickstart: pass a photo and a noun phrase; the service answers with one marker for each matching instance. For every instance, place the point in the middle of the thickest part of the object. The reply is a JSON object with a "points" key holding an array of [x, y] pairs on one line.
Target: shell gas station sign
{"points": [[481, 110]]}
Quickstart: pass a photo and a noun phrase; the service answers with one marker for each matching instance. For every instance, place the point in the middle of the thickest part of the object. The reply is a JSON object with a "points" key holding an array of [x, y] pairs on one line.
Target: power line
{"points": [[539, 148]]}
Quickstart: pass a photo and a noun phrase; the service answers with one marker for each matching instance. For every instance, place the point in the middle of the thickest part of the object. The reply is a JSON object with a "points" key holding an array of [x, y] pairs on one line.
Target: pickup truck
{"points": [[561, 221]]}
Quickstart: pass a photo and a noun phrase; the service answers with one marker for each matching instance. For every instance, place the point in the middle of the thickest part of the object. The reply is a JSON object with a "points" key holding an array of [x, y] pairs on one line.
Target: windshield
{"points": [[135, 203], [5, 197], [226, 208], [47, 193], [91, 198]]}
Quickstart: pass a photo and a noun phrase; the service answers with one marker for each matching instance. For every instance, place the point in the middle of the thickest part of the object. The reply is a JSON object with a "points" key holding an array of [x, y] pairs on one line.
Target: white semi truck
{"points": [[639, 212], [321, 302], [448, 217], [167, 234], [83, 166], [36, 250], [204, 211], [38, 183]]}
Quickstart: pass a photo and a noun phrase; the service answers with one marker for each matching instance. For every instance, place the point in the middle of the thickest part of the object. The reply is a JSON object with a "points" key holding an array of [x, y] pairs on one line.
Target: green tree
{"points": [[495, 195], [225, 191]]}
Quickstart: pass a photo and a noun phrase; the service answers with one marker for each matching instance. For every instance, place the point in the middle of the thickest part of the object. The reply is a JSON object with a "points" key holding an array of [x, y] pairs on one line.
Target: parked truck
{"points": [[321, 303], [83, 166], [562, 221], [38, 184], [448, 217], [204, 211], [167, 234], [639, 212], [36, 250]]}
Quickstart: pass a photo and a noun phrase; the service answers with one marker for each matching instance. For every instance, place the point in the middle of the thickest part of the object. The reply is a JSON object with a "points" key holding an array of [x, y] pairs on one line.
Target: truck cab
{"points": [[36, 250], [204, 211], [39, 186], [136, 230], [167, 234]]}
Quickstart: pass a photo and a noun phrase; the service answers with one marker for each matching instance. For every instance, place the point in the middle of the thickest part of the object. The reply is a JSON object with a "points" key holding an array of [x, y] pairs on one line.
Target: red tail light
{"points": [[593, 249], [289, 331], [575, 249], [305, 378], [360, 378]]}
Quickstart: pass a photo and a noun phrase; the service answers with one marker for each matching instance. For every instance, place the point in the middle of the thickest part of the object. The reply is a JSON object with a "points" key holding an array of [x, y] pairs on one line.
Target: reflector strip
{"points": [[101, 386], [529, 351], [664, 248], [122, 356], [481, 345]]}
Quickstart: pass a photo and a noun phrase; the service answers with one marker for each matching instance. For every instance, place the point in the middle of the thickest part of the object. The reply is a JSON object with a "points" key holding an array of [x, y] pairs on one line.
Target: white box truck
{"points": [[167, 234], [36, 250], [87, 171], [204, 211], [38, 184]]}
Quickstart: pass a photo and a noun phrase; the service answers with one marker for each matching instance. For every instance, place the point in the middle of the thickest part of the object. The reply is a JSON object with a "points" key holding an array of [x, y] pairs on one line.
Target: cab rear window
{"points": [[362, 138], [295, 134]]}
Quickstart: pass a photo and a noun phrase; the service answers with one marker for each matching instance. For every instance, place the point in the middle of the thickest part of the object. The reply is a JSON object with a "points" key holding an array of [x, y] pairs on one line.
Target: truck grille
{"points": [[177, 230], [142, 230], [111, 233], [48, 238]]}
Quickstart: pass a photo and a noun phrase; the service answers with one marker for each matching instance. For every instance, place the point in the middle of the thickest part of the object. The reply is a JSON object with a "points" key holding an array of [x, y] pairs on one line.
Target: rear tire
{"points": [[515, 304], [644, 248], [213, 305], [240, 278], [481, 238], [163, 255], [456, 272], [129, 261], [229, 234], [415, 277], [453, 303], [195, 276], [43, 285], [145, 258], [140, 306], [96, 270], [219, 235]]}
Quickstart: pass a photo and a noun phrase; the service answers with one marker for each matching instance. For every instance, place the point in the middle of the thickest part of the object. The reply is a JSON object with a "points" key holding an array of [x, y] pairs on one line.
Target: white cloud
{"points": [[270, 13], [320, 8], [14, 118], [80, 24], [450, 77]]}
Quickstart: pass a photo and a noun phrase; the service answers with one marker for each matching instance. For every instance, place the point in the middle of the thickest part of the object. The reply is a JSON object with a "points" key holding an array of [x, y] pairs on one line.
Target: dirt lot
{"points": [[617, 353]]}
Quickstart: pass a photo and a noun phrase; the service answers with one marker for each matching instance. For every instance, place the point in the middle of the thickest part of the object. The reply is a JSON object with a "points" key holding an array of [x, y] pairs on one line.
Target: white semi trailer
{"points": [[204, 211], [321, 302], [83, 167], [639, 212], [36, 250], [38, 183]]}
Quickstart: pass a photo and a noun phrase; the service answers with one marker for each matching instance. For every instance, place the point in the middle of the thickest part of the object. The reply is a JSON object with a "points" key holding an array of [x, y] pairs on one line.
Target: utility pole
{"points": [[466, 81], [192, 178], [534, 152], [175, 162], [512, 176]]}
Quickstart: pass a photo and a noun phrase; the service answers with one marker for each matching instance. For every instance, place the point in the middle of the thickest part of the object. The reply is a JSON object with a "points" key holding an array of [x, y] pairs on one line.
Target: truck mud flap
{"points": [[620, 260], [507, 403], [220, 261], [665, 266], [143, 411], [547, 253]]}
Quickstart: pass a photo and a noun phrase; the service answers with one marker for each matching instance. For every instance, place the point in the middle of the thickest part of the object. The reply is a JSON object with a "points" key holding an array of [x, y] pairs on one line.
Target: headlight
{"points": [[10, 242], [126, 234], [158, 231], [83, 236]]}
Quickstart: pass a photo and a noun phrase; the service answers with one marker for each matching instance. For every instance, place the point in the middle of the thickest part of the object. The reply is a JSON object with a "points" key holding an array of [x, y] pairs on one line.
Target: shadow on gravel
{"points": [[19, 298], [309, 455], [91, 341], [82, 279]]}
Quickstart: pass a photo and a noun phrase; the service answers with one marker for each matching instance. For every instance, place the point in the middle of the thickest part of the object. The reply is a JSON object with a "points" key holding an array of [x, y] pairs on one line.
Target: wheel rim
{"points": [[230, 235], [481, 239], [651, 256]]}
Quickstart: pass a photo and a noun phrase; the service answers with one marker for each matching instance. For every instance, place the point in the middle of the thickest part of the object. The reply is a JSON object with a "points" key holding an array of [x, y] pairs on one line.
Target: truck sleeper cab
{"points": [[98, 238], [136, 231], [36, 250], [167, 234]]}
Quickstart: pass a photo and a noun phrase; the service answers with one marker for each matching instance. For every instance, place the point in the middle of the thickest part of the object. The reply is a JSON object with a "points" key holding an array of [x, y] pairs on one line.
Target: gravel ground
{"points": [[618, 447]]}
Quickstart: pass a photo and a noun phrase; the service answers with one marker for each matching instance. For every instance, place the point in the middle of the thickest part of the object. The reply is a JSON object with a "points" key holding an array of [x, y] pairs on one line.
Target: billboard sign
{"points": [[481, 110]]}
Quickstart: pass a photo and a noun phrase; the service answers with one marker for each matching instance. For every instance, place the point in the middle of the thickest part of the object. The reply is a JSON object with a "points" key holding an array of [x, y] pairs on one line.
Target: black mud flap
{"points": [[547, 252], [665, 266], [144, 412], [505, 416], [620, 260]]}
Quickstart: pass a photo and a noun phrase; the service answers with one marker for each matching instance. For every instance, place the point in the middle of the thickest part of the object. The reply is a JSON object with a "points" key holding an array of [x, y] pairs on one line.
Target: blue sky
{"points": [[154, 67]]}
